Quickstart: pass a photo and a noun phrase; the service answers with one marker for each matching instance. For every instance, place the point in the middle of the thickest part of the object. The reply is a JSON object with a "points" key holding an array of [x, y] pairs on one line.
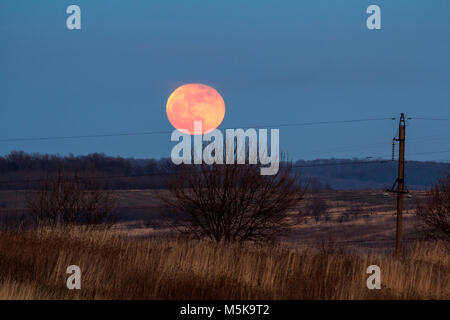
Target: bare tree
{"points": [[70, 199], [232, 203], [434, 211], [317, 208]]}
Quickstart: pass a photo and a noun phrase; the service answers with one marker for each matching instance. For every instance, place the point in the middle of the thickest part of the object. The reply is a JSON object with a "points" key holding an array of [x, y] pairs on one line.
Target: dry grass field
{"points": [[141, 259], [33, 266]]}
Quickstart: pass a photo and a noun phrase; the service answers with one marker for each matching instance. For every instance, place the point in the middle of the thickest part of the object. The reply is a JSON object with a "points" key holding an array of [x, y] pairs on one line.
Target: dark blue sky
{"points": [[273, 62]]}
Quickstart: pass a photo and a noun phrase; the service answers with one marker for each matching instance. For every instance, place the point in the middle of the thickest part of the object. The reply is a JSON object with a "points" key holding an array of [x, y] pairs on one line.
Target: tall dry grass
{"points": [[33, 266]]}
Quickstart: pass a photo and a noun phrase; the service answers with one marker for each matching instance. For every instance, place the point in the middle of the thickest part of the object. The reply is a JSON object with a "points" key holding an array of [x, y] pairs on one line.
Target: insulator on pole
{"points": [[393, 150]]}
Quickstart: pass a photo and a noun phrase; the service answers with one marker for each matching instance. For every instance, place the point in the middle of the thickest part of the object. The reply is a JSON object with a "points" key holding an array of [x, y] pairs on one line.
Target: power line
{"points": [[168, 132], [323, 122], [427, 152], [86, 136], [431, 119], [377, 145], [422, 153]]}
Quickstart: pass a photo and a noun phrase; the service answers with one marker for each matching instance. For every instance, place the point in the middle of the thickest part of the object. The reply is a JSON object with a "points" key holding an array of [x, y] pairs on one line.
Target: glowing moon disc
{"points": [[195, 102]]}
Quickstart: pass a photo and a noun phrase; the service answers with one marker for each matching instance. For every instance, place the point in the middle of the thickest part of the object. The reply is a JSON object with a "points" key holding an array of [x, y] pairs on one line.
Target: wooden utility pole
{"points": [[400, 190], [400, 183]]}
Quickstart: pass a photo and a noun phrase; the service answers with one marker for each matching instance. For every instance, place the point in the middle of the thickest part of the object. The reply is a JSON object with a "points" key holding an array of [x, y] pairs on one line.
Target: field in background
{"points": [[371, 225]]}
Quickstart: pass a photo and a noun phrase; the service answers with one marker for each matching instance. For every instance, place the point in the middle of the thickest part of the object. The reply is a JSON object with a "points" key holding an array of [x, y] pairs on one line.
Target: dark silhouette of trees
{"points": [[20, 170], [434, 211], [317, 208], [71, 199], [232, 203]]}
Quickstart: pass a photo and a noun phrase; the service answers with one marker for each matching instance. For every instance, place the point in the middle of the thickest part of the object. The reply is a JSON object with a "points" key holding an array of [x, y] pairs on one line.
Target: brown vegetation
{"points": [[232, 203], [70, 199], [33, 262], [33, 266], [317, 208], [434, 211]]}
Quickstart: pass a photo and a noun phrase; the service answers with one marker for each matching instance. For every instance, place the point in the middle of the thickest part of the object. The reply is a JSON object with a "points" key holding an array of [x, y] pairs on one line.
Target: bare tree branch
{"points": [[71, 199], [232, 203]]}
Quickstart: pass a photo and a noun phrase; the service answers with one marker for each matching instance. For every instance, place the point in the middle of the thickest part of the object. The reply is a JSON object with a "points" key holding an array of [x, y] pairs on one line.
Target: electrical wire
{"points": [[168, 132]]}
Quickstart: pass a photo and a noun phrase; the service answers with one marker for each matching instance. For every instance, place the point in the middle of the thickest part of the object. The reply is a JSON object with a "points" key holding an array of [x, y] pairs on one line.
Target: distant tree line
{"points": [[20, 170], [370, 174]]}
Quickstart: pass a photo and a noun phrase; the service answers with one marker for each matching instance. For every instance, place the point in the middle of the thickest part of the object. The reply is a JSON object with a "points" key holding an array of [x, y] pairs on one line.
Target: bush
{"points": [[434, 211], [232, 203], [318, 209], [70, 199]]}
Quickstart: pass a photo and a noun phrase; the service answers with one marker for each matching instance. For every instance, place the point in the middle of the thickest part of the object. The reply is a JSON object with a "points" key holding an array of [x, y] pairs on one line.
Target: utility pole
{"points": [[400, 183], [400, 190]]}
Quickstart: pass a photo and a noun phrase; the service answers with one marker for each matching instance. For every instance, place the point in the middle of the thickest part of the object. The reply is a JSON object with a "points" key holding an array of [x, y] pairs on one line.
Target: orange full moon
{"points": [[195, 102]]}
